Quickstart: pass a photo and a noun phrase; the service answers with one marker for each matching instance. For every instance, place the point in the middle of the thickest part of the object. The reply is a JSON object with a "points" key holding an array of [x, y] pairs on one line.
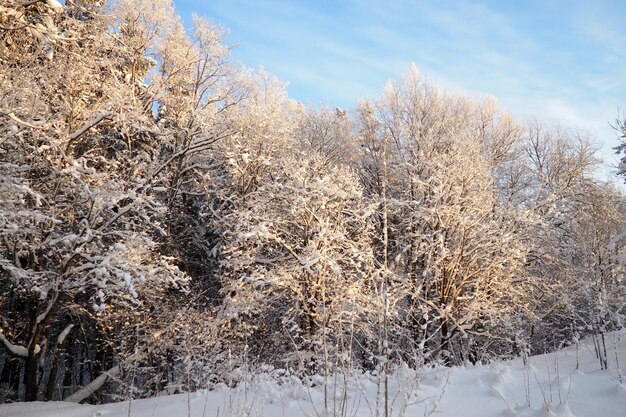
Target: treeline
{"points": [[168, 217]]}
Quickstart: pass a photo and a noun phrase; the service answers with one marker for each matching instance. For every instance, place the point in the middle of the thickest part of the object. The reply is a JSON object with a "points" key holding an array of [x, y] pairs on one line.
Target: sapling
{"points": [[617, 366], [527, 381]]}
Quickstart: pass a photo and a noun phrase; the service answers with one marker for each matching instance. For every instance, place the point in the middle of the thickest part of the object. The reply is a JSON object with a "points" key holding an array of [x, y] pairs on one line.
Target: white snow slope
{"points": [[550, 385]]}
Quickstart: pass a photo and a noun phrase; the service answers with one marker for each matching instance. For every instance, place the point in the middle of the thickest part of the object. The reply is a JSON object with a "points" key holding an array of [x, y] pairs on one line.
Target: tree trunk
{"points": [[31, 365], [30, 375], [68, 383], [58, 353], [446, 354], [10, 379]]}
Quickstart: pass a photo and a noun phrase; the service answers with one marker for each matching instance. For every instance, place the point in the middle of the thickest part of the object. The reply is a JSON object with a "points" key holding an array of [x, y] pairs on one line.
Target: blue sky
{"points": [[557, 60]]}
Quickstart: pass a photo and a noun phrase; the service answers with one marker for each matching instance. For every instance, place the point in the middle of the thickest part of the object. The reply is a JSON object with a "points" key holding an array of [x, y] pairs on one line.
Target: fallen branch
{"points": [[84, 393]]}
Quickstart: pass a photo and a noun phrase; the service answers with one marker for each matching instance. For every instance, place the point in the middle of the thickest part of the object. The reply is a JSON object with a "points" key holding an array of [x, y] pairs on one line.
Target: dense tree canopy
{"points": [[167, 216]]}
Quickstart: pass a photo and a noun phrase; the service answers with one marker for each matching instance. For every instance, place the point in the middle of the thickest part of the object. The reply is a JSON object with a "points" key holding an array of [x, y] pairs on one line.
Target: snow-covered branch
{"points": [[93, 386], [17, 350]]}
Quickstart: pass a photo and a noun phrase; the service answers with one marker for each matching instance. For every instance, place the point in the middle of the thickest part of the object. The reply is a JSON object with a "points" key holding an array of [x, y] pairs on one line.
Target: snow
{"points": [[16, 349], [548, 385]]}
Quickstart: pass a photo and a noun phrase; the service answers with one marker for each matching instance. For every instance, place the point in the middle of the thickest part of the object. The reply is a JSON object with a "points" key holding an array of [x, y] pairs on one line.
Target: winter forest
{"points": [[170, 219]]}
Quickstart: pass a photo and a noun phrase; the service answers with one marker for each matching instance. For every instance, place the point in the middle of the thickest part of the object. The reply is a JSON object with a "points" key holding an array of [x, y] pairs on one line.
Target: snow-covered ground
{"points": [[550, 385]]}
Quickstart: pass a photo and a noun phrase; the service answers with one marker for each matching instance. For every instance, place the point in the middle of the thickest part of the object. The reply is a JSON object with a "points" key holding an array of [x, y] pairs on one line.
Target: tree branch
{"points": [[84, 128], [16, 119], [17, 350]]}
